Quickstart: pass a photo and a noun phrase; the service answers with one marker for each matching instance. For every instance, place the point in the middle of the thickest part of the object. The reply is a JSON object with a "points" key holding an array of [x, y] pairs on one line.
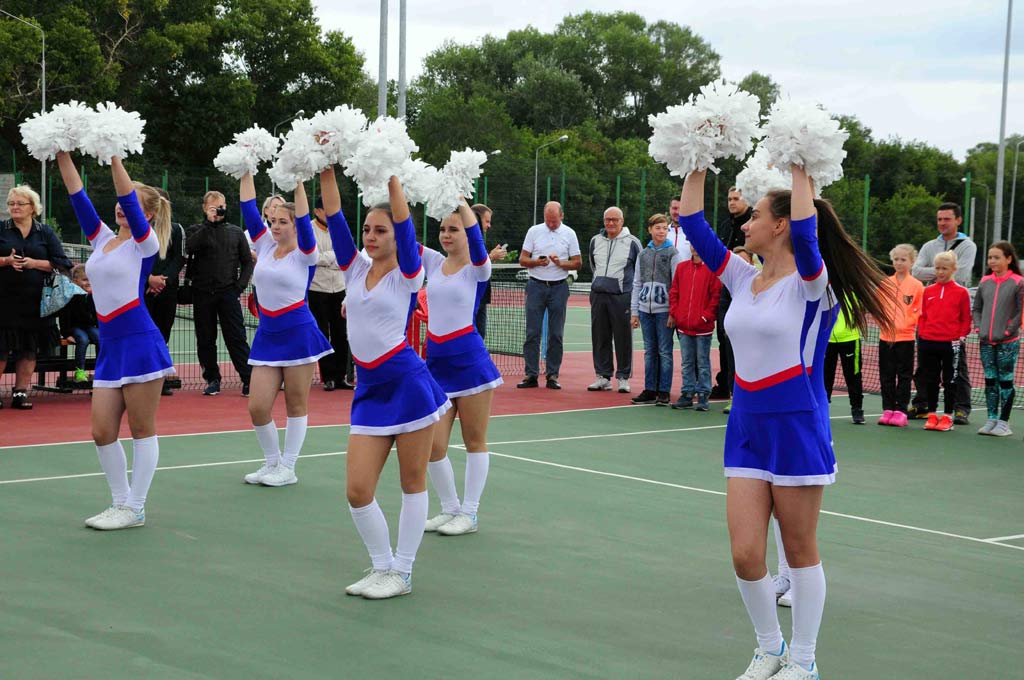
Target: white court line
{"points": [[997, 539]]}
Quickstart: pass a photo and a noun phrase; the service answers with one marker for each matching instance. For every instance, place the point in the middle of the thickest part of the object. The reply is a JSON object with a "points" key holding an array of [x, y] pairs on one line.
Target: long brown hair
{"points": [[856, 281], [1008, 251]]}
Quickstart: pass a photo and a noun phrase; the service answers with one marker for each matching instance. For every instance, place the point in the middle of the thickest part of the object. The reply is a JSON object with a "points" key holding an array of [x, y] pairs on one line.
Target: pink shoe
{"points": [[886, 418], [899, 419]]}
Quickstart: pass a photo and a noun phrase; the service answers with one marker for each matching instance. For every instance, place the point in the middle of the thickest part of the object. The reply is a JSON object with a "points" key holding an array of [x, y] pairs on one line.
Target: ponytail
{"points": [[160, 208]]}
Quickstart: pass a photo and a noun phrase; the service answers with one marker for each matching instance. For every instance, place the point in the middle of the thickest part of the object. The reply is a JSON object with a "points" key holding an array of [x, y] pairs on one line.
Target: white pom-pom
{"points": [[44, 134], [246, 152], [802, 133], [418, 180], [455, 182], [338, 131], [717, 123], [112, 131], [380, 152], [760, 177], [301, 156]]}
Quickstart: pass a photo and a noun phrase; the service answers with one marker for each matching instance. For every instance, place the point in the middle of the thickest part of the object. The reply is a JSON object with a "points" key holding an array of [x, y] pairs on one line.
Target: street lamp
{"points": [[536, 160], [1013, 190], [42, 187], [984, 225], [300, 112]]}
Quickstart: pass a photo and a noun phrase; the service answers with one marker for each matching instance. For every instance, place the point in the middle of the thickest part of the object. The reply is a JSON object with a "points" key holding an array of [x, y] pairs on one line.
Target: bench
{"points": [[64, 366]]}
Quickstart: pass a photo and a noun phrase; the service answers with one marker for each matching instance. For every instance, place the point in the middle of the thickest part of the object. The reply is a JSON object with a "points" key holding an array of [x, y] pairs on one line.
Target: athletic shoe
{"points": [[945, 423], [80, 376], [102, 517], [121, 517], [781, 585], [279, 475], [365, 582], [437, 521], [462, 524], [257, 477], [886, 418], [527, 382], [858, 416], [727, 408], [329, 386], [1001, 429], [645, 397], [933, 422], [786, 599], [623, 386], [899, 419], [245, 389], [602, 384], [389, 584], [212, 388], [919, 413], [663, 399], [764, 666], [702, 402], [987, 427], [960, 417], [684, 401], [794, 671]]}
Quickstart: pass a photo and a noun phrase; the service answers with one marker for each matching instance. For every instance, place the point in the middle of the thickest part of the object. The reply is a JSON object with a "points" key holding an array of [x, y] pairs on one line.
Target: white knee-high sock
{"points": [[442, 477], [808, 606], [477, 465], [294, 435], [267, 436], [759, 598], [410, 530], [145, 456], [373, 529], [115, 467], [783, 564]]}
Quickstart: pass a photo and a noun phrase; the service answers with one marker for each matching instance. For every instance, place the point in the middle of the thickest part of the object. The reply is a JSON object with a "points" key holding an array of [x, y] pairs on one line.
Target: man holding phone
{"points": [[550, 251]]}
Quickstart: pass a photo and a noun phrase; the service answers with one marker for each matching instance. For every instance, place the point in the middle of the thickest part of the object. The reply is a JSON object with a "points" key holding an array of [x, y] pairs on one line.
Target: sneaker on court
{"points": [[623, 386], [727, 408], [602, 384], [438, 521], [121, 517], [279, 475], [945, 423], [212, 388], [786, 598], [663, 399], [101, 517], [987, 427], [389, 584], [857, 414], [645, 397], [462, 524], [1001, 429], [899, 419], [886, 418], [960, 417], [794, 671], [365, 582], [80, 376], [933, 422], [764, 666], [684, 401], [918, 412], [702, 403], [257, 477], [781, 584]]}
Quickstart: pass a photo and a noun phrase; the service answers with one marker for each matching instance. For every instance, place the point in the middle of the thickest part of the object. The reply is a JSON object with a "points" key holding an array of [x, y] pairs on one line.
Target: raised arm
{"points": [[341, 236], [698, 232], [303, 226], [409, 260], [88, 219], [129, 202], [250, 211], [477, 250], [803, 229]]}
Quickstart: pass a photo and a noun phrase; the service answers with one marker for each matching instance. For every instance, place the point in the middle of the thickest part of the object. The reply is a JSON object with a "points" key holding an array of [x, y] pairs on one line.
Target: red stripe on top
{"points": [[95, 233], [450, 336], [283, 310], [820, 270], [721, 267], [144, 236], [382, 358], [414, 274], [344, 267], [260, 235], [105, 318], [307, 252], [772, 380], [481, 262]]}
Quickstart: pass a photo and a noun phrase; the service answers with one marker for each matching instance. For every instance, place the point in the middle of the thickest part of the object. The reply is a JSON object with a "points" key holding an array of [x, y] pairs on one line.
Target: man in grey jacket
{"points": [[612, 257]]}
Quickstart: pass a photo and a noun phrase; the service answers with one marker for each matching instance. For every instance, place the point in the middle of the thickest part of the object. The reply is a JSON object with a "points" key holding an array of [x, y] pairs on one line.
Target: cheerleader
{"points": [[778, 452], [288, 341], [459, 361], [396, 401], [133, 359]]}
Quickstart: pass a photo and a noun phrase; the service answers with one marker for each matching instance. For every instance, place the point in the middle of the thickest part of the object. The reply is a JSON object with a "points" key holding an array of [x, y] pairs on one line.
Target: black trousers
{"points": [[895, 371], [326, 309], [937, 360], [848, 353], [609, 324], [162, 308], [481, 320], [961, 389], [726, 375], [208, 310]]}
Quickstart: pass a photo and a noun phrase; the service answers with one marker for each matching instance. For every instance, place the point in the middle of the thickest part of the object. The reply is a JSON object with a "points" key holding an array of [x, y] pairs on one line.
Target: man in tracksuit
{"points": [[612, 255]]}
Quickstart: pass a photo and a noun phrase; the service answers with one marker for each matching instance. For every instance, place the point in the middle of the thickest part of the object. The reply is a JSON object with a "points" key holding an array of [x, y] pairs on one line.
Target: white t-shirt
{"points": [[541, 240]]}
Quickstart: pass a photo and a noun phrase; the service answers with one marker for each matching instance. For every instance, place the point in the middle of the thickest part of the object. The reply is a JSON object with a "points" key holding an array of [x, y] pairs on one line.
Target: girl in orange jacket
{"points": [[896, 349]]}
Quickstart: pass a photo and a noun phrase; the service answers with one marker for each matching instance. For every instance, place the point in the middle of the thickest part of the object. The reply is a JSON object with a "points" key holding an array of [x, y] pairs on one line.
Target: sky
{"points": [[925, 70]]}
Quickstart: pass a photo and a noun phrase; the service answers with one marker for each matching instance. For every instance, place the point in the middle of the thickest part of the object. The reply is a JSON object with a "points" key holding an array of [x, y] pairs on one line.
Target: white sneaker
{"points": [[257, 477], [1001, 429], [987, 427], [102, 517], [764, 666], [794, 671], [786, 599], [365, 582], [462, 524], [389, 584], [438, 521], [279, 475], [121, 517], [623, 386], [602, 384], [781, 585]]}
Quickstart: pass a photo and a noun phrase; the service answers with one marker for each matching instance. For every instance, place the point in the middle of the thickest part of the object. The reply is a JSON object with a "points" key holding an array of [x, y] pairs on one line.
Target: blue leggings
{"points": [[999, 362]]}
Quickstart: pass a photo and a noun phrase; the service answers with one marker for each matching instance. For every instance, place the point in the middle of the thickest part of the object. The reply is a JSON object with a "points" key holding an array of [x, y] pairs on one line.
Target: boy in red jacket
{"points": [[944, 325], [693, 304]]}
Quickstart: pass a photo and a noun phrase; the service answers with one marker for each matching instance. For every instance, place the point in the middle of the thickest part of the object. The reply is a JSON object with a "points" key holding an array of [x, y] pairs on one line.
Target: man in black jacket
{"points": [[220, 270], [162, 286], [730, 231]]}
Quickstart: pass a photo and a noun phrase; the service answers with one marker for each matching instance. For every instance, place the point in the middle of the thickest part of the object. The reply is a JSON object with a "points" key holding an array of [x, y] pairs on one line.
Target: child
{"points": [[649, 311], [997, 316], [945, 323], [844, 347], [896, 350], [78, 322], [693, 306]]}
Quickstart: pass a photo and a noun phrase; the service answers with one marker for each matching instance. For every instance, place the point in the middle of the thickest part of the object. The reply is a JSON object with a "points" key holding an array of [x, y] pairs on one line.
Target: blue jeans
{"points": [[657, 352], [696, 349], [84, 336], [541, 298]]}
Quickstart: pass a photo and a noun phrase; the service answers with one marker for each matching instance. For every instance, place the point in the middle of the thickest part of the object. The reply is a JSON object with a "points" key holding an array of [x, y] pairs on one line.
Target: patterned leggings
{"points": [[999, 362]]}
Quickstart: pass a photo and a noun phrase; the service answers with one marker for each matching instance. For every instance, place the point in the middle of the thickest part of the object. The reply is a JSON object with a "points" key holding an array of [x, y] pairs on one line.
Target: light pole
{"points": [[1013, 190], [997, 232], [300, 112], [42, 186], [984, 225], [536, 161]]}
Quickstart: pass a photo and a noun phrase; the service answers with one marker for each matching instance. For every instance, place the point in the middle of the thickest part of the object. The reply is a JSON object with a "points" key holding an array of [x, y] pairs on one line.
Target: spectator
{"points": [[326, 295], [675, 233], [612, 257], [220, 270], [558, 253], [896, 348], [844, 346], [730, 231], [162, 286], [948, 219], [649, 311], [29, 250], [693, 303], [78, 324], [497, 254]]}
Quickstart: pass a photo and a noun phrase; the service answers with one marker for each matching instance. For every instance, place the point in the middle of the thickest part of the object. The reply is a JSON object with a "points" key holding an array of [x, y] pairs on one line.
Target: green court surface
{"points": [[602, 553]]}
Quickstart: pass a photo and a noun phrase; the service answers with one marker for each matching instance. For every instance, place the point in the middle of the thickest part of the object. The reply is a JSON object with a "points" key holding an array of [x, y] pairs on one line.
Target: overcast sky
{"points": [[917, 69]]}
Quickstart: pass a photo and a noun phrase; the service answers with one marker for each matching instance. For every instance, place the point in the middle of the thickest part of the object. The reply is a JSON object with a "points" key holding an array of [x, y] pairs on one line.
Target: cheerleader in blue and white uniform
{"points": [[778, 442], [288, 342], [133, 359], [459, 361], [396, 400]]}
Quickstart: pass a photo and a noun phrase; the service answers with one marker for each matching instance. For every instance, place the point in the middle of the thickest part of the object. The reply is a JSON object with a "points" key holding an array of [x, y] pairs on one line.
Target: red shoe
{"points": [[945, 423], [933, 422]]}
